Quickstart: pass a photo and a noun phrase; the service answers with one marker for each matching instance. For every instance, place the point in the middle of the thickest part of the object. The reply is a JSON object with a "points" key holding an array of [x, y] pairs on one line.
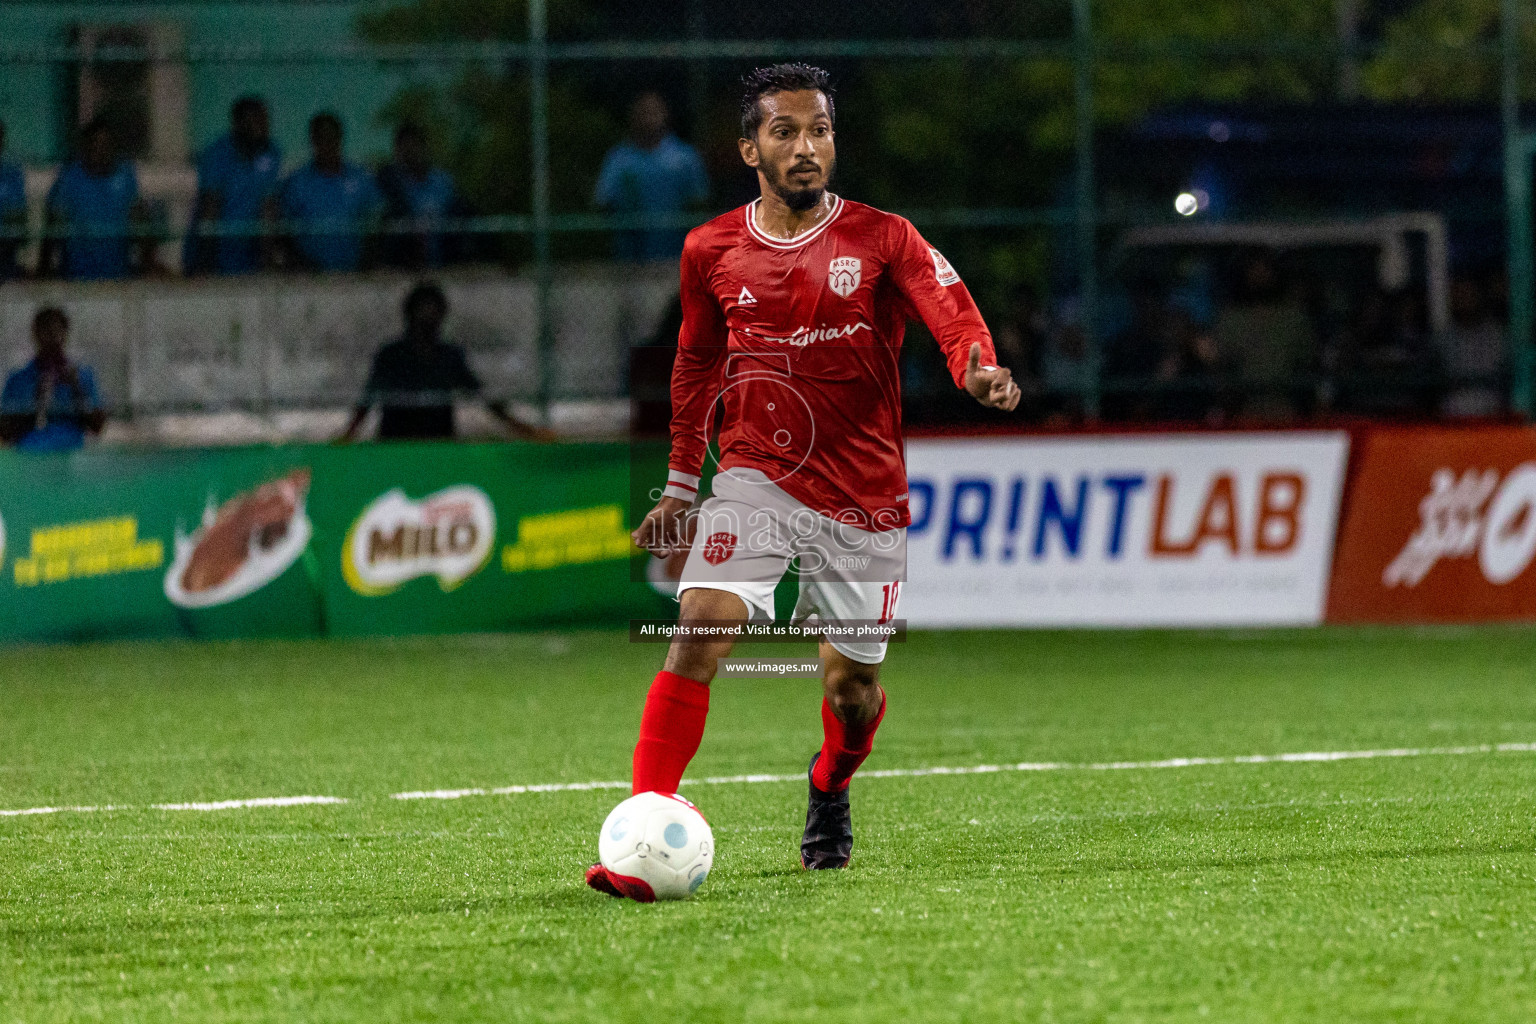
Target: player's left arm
{"points": [[933, 288]]}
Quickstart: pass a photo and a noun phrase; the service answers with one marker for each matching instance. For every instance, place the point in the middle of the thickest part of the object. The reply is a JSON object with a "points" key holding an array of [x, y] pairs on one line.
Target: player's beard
{"points": [[797, 199]]}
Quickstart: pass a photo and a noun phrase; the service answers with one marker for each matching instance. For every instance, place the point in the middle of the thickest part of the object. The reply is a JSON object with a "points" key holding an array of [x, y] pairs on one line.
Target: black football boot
{"points": [[828, 839]]}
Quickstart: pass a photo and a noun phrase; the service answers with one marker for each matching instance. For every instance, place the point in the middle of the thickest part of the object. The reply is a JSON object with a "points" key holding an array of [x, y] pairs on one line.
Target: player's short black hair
{"points": [[48, 313], [326, 117], [426, 291], [94, 127], [779, 78], [247, 104]]}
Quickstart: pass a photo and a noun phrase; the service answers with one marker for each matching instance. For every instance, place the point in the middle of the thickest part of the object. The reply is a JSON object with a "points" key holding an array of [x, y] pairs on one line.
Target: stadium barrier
{"points": [[1199, 529], [270, 341], [310, 540], [1156, 530]]}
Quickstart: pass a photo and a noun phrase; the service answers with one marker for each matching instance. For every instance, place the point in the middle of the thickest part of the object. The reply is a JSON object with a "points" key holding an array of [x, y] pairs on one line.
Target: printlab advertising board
{"points": [[1162, 530]]}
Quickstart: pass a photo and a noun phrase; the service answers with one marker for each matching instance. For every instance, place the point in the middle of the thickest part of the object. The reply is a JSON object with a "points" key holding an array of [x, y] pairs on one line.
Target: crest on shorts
{"points": [[844, 274], [719, 547]]}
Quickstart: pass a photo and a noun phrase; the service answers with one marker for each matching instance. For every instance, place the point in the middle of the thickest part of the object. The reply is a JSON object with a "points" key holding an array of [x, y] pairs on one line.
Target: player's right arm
{"points": [[701, 345]]}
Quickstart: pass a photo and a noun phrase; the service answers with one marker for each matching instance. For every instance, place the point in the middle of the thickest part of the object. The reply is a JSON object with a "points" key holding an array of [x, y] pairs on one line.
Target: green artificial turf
{"points": [[1361, 890]]}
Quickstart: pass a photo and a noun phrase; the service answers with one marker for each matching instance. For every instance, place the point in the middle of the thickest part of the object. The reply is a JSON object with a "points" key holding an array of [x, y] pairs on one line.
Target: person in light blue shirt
{"points": [[92, 209], [655, 172], [13, 213], [237, 181], [50, 404], [330, 204], [418, 199]]}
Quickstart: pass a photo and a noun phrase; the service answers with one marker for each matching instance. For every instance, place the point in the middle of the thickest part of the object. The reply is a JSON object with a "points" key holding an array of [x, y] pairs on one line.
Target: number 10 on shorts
{"points": [[889, 593]]}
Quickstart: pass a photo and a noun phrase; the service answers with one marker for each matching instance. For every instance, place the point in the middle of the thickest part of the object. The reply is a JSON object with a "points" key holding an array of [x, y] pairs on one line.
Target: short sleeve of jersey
{"points": [[211, 169], [14, 399], [380, 374], [272, 177], [13, 190], [88, 393], [290, 195], [698, 179], [464, 375], [447, 189], [58, 192], [606, 193], [369, 199]]}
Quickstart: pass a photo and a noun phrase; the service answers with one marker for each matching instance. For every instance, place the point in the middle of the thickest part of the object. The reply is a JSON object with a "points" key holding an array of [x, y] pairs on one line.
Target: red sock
{"points": [[843, 748], [670, 730]]}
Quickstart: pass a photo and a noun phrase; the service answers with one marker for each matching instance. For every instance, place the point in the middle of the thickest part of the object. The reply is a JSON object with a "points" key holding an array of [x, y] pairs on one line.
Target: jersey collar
{"points": [[792, 243]]}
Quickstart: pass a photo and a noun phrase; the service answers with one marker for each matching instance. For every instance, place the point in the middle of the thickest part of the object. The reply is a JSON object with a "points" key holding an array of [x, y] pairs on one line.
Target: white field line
{"points": [[260, 801], [884, 773], [54, 810], [1024, 766], [217, 805]]}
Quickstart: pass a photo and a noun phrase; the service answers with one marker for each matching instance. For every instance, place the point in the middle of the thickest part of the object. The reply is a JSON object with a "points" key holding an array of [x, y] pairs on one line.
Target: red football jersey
{"points": [[800, 339]]}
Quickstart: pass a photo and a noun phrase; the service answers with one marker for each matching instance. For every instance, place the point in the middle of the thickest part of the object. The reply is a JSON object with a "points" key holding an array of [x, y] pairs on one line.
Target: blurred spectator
{"points": [[1190, 381], [1473, 354], [237, 181], [93, 207], [650, 376], [1021, 337], [1389, 365], [50, 404], [1066, 365], [417, 377], [651, 172], [417, 199], [330, 203], [1132, 356], [13, 212], [1267, 334]]}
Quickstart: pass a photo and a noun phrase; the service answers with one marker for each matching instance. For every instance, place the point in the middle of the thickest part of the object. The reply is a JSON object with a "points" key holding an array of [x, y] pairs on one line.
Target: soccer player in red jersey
{"points": [[794, 308]]}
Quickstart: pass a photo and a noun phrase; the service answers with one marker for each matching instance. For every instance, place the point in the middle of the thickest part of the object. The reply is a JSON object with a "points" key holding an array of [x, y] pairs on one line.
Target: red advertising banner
{"points": [[1439, 526]]}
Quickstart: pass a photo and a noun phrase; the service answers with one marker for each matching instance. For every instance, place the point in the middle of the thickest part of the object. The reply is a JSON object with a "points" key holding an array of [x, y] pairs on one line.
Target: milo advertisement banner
{"points": [[305, 541]]}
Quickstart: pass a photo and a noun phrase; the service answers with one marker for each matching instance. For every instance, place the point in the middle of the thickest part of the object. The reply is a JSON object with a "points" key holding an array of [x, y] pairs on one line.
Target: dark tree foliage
{"points": [[914, 134]]}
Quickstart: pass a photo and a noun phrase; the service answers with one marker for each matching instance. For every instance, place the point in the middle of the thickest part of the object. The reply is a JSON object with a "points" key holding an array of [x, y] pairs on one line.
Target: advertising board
{"points": [[1157, 530], [1440, 527], [1169, 530], [309, 540]]}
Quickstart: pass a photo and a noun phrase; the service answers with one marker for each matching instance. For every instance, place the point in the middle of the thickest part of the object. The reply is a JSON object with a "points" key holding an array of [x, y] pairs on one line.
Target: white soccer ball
{"points": [[659, 839]]}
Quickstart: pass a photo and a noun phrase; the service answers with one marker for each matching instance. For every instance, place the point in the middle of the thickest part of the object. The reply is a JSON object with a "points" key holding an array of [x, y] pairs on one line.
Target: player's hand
{"points": [[664, 528], [992, 386]]}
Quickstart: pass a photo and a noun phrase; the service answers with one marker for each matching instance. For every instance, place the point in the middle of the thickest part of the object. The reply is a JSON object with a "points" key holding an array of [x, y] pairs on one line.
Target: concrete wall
{"points": [[277, 342]]}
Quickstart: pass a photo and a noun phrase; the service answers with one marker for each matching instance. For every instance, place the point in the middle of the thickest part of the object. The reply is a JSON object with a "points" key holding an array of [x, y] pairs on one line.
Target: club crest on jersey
{"points": [[844, 274], [719, 547], [942, 270]]}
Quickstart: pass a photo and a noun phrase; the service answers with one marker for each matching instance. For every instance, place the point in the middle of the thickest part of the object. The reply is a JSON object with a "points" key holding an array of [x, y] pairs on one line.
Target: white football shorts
{"points": [[750, 529]]}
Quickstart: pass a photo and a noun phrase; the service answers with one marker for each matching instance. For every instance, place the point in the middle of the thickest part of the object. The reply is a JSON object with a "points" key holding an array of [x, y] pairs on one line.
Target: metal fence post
{"points": [[698, 71], [1086, 214], [538, 92], [1517, 208]]}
